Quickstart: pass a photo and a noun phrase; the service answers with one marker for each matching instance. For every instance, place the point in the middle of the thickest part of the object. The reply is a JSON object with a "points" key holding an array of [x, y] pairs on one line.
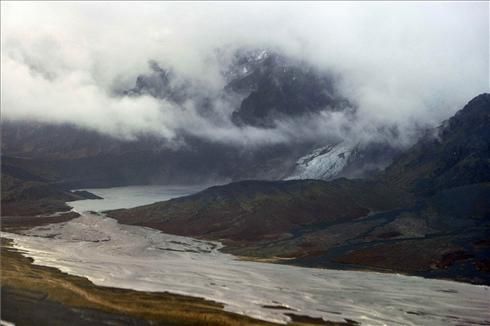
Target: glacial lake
{"points": [[133, 257], [131, 196]]}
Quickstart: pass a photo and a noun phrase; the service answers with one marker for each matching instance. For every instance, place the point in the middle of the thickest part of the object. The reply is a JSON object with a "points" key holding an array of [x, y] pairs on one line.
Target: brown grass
{"points": [[48, 283], [162, 308]]}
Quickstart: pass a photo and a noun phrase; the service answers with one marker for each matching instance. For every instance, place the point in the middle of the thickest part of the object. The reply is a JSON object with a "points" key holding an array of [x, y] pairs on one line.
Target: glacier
{"points": [[323, 163]]}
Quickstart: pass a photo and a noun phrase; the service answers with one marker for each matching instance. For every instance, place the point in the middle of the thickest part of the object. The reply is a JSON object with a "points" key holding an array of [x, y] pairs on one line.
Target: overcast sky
{"points": [[404, 64]]}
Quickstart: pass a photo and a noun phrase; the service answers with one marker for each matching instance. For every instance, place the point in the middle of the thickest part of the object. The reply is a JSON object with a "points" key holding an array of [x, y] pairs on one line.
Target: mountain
{"points": [[267, 87], [77, 158], [427, 214], [159, 83], [457, 155], [278, 88]]}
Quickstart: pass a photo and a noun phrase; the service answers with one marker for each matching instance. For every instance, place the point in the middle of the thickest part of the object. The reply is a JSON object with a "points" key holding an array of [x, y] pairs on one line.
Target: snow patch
{"points": [[323, 163]]}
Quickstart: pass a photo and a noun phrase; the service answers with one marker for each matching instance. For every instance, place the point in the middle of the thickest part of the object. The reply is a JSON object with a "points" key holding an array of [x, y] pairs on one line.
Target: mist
{"points": [[404, 66]]}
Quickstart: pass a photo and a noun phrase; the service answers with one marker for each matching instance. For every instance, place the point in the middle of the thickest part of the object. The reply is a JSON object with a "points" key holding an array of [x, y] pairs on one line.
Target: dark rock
{"points": [[85, 194]]}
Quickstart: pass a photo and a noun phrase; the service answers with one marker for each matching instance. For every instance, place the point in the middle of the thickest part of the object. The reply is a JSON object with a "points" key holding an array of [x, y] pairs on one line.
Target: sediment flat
{"points": [[55, 298]]}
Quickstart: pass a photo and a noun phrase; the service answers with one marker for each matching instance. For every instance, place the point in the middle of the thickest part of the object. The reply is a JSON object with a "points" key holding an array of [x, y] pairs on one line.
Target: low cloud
{"points": [[404, 65]]}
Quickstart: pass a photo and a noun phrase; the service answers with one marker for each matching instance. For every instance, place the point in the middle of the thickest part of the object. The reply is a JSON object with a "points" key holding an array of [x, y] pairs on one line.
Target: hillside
{"points": [[458, 154], [428, 214], [264, 210], [25, 194]]}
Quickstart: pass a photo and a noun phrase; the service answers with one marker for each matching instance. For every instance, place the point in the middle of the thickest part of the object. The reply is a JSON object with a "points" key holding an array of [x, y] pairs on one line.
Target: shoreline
{"points": [[40, 283], [215, 312], [13, 224], [36, 221], [174, 288]]}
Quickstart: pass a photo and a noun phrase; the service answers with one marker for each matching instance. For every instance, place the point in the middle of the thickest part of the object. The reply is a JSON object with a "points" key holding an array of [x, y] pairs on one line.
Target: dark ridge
{"points": [[86, 195]]}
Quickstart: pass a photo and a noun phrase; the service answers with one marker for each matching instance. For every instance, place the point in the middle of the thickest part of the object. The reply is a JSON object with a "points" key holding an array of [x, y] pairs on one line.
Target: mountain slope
{"points": [[263, 88], [428, 214], [458, 155], [278, 87], [24, 194], [264, 210], [75, 158]]}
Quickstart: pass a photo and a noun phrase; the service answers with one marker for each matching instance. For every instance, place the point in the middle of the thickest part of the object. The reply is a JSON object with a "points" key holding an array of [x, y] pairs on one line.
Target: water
{"points": [[139, 258], [131, 196]]}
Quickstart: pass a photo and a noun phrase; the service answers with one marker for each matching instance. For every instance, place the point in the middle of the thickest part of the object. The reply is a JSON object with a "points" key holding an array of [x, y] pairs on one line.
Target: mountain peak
{"points": [[475, 113], [459, 156]]}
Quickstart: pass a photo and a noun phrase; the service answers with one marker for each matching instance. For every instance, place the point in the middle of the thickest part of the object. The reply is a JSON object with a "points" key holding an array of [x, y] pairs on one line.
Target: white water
{"points": [[139, 258]]}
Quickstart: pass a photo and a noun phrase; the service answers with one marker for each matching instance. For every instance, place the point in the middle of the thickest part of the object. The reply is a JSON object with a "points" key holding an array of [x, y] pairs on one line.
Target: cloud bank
{"points": [[404, 65]]}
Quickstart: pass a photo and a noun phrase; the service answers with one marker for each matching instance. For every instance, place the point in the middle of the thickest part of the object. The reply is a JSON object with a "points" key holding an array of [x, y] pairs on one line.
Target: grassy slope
{"points": [[440, 236], [251, 211], [24, 194]]}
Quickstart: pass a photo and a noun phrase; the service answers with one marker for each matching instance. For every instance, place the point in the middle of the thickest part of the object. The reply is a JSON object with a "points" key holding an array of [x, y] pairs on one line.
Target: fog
{"points": [[405, 66]]}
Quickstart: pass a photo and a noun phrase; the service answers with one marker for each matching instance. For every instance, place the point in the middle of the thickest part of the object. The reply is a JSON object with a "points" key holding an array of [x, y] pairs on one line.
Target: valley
{"points": [[244, 163], [114, 255]]}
